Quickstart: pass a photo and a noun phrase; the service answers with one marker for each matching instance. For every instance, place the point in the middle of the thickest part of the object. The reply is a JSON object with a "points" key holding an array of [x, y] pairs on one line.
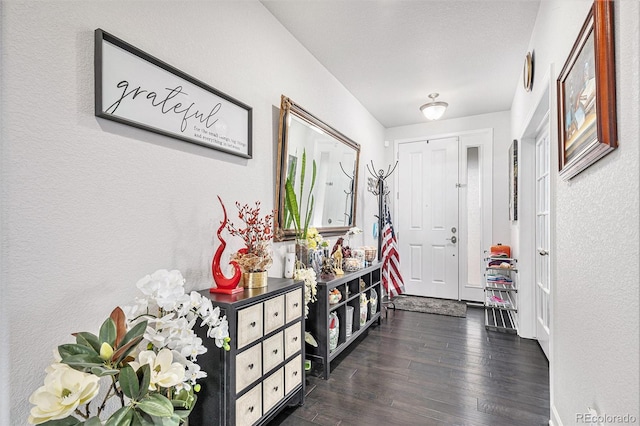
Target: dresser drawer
{"points": [[294, 304], [248, 367], [249, 407], [292, 374], [249, 325], [273, 390], [292, 339], [272, 352], [273, 314]]}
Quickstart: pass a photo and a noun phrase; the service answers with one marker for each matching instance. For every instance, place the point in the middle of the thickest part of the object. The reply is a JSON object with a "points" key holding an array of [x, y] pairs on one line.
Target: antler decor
{"points": [[223, 284]]}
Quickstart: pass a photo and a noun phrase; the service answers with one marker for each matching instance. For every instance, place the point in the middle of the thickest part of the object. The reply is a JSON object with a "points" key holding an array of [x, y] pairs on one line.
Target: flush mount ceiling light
{"points": [[434, 110]]}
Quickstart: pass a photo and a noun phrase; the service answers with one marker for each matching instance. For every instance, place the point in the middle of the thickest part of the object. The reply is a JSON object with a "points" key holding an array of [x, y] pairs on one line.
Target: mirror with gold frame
{"points": [[336, 182]]}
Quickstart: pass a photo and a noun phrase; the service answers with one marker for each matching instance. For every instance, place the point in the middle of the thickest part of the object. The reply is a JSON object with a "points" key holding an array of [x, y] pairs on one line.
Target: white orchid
{"points": [[165, 287], [164, 372], [310, 290], [64, 390]]}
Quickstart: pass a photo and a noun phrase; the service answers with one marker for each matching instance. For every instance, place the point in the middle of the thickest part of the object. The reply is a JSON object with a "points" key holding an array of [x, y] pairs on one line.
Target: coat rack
{"points": [[382, 192], [349, 193]]}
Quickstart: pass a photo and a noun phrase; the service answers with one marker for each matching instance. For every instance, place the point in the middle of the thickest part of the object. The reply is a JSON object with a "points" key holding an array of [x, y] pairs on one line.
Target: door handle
{"points": [[543, 252], [452, 239]]}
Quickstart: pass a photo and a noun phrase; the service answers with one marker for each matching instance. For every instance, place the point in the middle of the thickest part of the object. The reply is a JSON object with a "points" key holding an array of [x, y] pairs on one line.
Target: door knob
{"points": [[452, 239]]}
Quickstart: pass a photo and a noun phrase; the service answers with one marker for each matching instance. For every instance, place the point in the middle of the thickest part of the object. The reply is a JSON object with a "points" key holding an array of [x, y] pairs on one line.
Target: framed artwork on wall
{"points": [[587, 95], [137, 89], [513, 181]]}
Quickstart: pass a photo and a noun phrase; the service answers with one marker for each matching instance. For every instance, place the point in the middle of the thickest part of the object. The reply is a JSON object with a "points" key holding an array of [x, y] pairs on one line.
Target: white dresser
{"points": [[264, 370]]}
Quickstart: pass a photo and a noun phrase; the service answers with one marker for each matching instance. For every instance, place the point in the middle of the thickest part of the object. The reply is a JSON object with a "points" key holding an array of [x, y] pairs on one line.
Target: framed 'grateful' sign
{"points": [[137, 89]]}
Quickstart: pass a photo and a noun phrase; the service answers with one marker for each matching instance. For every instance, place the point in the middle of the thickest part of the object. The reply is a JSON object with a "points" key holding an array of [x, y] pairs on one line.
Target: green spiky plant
{"points": [[300, 223]]}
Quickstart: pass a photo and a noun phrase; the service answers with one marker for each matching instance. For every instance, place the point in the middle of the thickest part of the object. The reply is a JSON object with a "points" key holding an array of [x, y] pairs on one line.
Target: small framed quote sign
{"points": [[134, 88]]}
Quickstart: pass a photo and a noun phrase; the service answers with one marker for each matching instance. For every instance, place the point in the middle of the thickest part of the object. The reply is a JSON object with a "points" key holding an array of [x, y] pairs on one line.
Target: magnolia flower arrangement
{"points": [[145, 354], [257, 235]]}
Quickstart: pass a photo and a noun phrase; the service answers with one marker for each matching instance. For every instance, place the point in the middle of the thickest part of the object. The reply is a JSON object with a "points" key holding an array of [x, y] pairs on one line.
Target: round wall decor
{"points": [[527, 72]]}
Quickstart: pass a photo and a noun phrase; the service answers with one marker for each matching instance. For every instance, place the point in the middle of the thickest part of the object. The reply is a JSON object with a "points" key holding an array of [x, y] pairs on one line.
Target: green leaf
{"points": [[83, 362], [129, 341], [156, 405], [108, 332], [93, 421], [140, 418], [144, 378], [88, 339], [292, 205], [303, 168], [67, 421], [122, 417], [184, 401], [310, 199], [135, 332], [102, 371], [182, 414], [308, 218], [129, 382], [71, 349]]}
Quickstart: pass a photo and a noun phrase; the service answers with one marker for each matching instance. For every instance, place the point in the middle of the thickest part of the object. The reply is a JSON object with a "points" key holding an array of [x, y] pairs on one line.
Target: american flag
{"points": [[391, 278]]}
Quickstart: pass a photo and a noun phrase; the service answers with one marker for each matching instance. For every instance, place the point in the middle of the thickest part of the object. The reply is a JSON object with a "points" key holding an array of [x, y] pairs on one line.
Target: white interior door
{"points": [[543, 270], [428, 217]]}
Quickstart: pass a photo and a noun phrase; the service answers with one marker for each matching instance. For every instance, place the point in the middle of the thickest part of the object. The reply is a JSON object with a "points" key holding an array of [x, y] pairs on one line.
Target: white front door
{"points": [[428, 217], [543, 270]]}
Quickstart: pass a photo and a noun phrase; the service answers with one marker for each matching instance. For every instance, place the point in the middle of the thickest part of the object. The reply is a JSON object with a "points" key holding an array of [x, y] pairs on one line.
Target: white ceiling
{"points": [[390, 54]]}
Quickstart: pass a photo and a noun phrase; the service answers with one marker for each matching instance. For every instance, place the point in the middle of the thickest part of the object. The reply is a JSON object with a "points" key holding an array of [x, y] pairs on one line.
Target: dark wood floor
{"points": [[425, 369]]}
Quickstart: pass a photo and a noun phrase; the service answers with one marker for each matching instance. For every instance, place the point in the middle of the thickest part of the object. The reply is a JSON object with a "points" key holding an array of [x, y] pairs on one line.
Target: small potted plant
{"points": [[255, 258]]}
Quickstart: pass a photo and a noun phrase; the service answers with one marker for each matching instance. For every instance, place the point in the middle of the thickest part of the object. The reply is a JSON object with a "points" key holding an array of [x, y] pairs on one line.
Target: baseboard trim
{"points": [[555, 417]]}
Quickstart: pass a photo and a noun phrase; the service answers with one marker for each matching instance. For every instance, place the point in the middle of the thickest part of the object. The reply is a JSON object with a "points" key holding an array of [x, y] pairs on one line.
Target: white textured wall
{"points": [[594, 344], [90, 206], [500, 123]]}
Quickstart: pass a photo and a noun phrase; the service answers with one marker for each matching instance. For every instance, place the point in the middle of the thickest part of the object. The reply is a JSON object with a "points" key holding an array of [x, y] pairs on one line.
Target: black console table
{"points": [[351, 286]]}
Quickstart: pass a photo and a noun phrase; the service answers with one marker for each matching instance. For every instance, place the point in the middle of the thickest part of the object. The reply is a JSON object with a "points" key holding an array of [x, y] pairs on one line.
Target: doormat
{"points": [[430, 305]]}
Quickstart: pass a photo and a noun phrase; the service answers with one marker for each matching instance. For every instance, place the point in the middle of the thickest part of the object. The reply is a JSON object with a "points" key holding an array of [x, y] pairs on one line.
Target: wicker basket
{"points": [[370, 255]]}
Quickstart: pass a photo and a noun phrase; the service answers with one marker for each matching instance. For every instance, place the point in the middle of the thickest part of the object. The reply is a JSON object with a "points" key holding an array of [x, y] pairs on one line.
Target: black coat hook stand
{"points": [[382, 192]]}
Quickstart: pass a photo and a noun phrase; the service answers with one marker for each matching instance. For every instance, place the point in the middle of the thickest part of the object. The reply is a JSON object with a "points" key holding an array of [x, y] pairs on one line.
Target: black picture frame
{"points": [[137, 89], [513, 181]]}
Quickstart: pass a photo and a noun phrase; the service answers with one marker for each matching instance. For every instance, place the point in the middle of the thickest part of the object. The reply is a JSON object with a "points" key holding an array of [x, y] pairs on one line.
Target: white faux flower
{"points": [[354, 231], [310, 286], [64, 390], [166, 287], [164, 372]]}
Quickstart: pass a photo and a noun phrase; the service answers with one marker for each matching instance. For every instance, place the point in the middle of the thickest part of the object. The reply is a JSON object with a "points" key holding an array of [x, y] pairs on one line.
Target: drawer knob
{"points": [[250, 366], [295, 305], [275, 351], [251, 409], [275, 389], [275, 314], [295, 373], [253, 324], [295, 339]]}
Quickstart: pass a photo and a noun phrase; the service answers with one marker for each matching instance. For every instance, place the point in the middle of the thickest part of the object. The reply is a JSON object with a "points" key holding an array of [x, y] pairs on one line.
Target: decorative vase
{"points": [[363, 309], [302, 252], [254, 279], [223, 284], [289, 265]]}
